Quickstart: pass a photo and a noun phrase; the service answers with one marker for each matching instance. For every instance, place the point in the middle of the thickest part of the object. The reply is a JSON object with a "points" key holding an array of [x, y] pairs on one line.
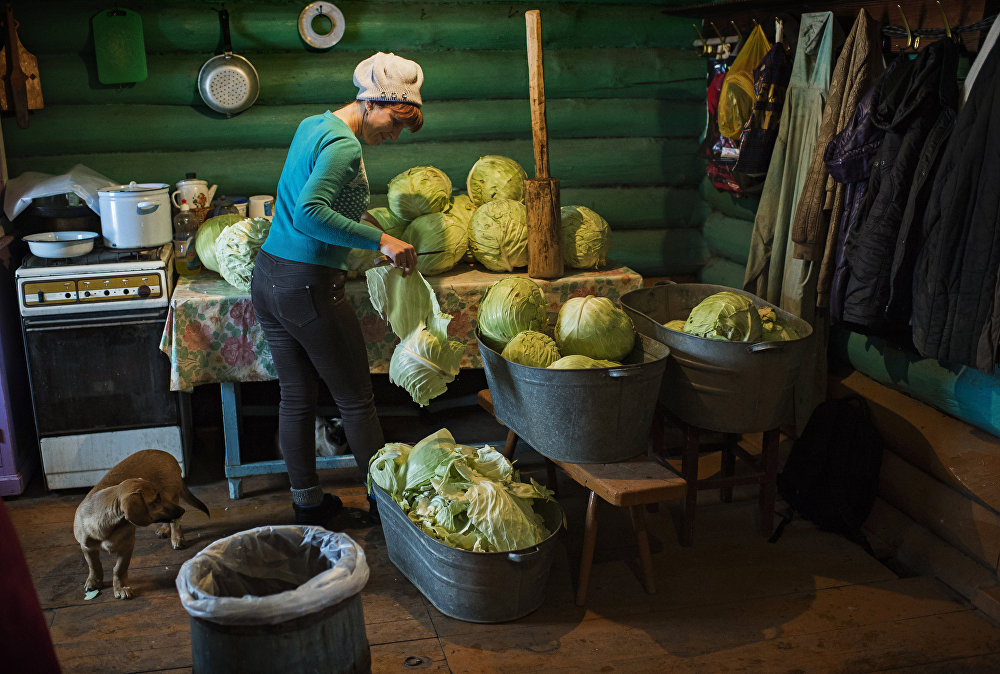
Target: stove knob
{"points": [[41, 297], [144, 291], [86, 293], [107, 292]]}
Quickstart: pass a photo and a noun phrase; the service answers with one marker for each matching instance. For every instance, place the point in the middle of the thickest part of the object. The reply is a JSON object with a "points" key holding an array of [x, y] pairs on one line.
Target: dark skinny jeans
{"points": [[314, 334]]}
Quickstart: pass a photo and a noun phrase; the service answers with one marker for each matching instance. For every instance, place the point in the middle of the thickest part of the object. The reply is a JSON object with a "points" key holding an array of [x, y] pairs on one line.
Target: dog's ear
{"points": [[133, 501]]}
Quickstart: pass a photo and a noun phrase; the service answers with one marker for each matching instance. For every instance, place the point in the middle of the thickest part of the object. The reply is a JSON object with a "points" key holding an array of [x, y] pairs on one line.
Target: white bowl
{"points": [[61, 244]]}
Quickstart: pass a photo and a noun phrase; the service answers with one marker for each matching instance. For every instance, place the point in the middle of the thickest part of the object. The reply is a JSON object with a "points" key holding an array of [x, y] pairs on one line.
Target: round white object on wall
{"points": [[312, 37]]}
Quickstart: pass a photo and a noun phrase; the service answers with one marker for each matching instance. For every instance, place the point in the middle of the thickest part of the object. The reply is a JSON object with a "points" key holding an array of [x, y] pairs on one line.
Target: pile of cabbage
{"points": [[228, 244], [466, 497], [487, 224], [590, 332], [732, 317]]}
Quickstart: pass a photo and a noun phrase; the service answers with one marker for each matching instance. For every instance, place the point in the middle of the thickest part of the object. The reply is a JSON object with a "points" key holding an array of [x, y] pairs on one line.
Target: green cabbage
{"points": [[593, 326], [495, 177], [586, 237], [578, 362], [532, 348], [360, 260], [438, 231], [204, 240], [676, 324], [725, 316], [421, 189], [498, 235], [463, 208], [236, 250], [510, 306], [468, 498]]}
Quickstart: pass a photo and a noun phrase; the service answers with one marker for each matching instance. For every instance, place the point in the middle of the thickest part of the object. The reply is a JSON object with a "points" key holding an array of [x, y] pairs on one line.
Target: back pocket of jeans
{"points": [[295, 305]]}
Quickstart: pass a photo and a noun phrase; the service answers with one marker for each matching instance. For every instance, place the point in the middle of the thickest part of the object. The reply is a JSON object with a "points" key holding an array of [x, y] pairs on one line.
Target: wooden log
{"points": [[659, 252], [728, 238], [723, 272], [300, 78], [541, 199], [370, 25], [184, 127]]}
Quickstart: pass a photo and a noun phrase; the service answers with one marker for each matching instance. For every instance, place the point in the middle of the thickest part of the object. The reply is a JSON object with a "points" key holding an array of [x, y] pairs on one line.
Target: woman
{"points": [[298, 278]]}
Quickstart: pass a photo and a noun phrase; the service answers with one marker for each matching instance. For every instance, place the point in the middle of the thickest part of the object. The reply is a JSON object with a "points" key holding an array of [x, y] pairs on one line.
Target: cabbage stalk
{"points": [[438, 231], [419, 190], [510, 306], [495, 177], [498, 235], [204, 240], [236, 250], [578, 362], [725, 316], [466, 497], [586, 237], [532, 348], [593, 326]]}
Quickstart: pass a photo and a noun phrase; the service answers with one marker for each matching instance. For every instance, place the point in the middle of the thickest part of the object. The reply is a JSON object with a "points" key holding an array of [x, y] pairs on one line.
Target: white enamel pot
{"points": [[136, 215]]}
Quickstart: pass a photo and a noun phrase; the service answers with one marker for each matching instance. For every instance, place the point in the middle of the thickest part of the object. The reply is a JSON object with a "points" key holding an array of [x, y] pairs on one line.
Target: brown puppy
{"points": [[143, 488]]}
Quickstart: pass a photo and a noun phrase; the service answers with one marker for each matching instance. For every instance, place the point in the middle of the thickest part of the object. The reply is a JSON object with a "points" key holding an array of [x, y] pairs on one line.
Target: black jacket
{"points": [[916, 124], [956, 308]]}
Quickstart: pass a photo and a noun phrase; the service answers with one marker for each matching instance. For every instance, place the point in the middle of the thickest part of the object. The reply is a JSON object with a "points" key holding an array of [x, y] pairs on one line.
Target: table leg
{"points": [[587, 556], [509, 445], [642, 538], [550, 475], [235, 487], [231, 433], [728, 465], [689, 467], [769, 484]]}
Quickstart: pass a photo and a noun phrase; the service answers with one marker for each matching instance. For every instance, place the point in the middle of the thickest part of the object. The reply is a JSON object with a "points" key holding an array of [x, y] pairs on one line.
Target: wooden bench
{"points": [[631, 484]]}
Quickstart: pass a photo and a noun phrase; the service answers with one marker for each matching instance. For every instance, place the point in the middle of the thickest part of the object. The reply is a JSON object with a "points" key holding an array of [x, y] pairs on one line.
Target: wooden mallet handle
{"points": [[536, 91]]}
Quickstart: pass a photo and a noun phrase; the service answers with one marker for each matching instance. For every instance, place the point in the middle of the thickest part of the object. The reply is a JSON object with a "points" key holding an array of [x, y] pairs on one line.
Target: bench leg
{"points": [[689, 467], [550, 475], [587, 556], [728, 466], [769, 484], [509, 445], [642, 538]]}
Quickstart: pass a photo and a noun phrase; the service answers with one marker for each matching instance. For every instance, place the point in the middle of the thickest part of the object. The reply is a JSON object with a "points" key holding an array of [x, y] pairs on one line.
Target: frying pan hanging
{"points": [[228, 83]]}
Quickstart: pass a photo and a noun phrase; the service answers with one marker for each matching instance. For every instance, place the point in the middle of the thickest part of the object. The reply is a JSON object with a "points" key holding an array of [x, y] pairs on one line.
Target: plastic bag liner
{"points": [[30, 185], [269, 575]]}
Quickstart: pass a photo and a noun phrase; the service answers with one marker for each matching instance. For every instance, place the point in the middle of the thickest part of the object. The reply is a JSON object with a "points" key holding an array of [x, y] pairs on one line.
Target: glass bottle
{"points": [[185, 228]]}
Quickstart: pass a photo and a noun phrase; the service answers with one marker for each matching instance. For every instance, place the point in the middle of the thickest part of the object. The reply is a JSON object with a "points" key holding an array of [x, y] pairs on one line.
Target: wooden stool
{"points": [[630, 484], [764, 471]]}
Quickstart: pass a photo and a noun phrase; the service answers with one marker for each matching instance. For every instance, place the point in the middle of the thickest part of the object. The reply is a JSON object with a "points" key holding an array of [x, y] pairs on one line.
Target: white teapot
{"points": [[195, 191]]}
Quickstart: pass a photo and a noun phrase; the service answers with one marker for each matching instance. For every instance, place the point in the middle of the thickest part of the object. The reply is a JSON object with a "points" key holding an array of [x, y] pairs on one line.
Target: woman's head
{"points": [[385, 121], [390, 79]]}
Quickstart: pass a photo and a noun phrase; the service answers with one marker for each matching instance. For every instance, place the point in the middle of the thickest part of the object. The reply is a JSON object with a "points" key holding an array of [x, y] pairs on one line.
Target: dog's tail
{"points": [[194, 500]]}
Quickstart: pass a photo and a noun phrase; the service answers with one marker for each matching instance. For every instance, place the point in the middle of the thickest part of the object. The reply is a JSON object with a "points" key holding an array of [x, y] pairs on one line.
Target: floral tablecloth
{"points": [[212, 334]]}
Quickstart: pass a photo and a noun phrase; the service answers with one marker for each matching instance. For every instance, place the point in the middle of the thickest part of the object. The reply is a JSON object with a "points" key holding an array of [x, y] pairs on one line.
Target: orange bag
{"points": [[738, 97]]}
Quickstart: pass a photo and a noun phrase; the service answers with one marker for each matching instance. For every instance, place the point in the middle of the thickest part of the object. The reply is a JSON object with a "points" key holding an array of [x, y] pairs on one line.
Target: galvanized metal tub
{"points": [[731, 387], [601, 415], [477, 587]]}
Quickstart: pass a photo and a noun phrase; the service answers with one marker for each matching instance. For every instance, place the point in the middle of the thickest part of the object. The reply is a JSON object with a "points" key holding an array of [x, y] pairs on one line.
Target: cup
{"points": [[241, 205], [261, 206]]}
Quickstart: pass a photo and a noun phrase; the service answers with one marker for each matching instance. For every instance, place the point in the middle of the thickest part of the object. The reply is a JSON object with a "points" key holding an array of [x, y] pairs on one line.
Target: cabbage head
{"points": [[725, 316], [204, 240], [593, 326], [360, 260], [578, 362], [438, 231], [532, 348], [426, 361], [510, 306], [676, 324], [495, 177], [236, 250], [498, 235], [463, 208], [421, 189], [586, 237]]}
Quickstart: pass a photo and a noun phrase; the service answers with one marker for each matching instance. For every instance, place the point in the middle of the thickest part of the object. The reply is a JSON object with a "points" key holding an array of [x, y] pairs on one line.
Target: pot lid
{"points": [[135, 187]]}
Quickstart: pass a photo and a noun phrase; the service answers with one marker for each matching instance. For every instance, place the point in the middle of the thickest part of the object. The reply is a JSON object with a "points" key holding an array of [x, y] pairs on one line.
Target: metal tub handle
{"points": [[623, 372], [765, 346], [519, 557]]}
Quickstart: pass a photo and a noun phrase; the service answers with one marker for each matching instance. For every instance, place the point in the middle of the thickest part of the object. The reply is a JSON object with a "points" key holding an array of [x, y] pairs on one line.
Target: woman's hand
{"points": [[400, 253]]}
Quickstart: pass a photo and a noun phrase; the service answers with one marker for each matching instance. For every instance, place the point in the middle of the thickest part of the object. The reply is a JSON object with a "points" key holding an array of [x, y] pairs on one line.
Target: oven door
{"points": [[99, 372]]}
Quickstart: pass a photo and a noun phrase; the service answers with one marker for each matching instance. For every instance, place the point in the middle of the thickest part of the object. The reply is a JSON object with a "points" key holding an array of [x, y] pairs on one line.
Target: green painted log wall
{"points": [[625, 102]]}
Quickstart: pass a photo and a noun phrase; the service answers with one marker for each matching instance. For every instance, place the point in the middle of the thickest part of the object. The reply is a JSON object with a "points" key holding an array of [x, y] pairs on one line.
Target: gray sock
{"points": [[311, 496]]}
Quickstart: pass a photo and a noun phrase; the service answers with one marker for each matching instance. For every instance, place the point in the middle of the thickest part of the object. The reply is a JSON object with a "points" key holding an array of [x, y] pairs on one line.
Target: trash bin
{"points": [[279, 598]]}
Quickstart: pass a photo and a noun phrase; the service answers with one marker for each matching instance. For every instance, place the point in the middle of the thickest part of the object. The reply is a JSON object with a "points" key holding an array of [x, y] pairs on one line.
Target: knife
{"points": [[383, 259]]}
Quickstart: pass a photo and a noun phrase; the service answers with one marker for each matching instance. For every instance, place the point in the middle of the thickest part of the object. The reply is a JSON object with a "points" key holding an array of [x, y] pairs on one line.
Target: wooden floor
{"points": [[812, 602]]}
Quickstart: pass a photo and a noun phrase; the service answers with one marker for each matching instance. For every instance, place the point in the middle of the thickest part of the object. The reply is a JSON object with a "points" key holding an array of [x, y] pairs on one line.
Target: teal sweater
{"points": [[322, 193]]}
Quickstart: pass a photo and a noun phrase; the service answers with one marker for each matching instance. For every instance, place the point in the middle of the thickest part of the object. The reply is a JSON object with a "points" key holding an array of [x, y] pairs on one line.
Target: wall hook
{"points": [[906, 26]]}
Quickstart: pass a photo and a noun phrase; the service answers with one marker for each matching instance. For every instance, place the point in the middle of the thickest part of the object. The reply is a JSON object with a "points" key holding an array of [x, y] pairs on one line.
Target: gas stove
{"points": [[106, 279]]}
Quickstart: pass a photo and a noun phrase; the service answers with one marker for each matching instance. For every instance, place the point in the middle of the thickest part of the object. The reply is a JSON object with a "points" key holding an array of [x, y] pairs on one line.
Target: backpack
{"points": [[831, 474]]}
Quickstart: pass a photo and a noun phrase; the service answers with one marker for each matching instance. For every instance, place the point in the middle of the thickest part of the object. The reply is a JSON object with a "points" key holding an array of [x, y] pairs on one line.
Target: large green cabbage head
{"points": [[438, 231], [498, 235], [593, 326], [495, 177], [725, 316], [236, 250], [463, 208], [532, 348], [586, 237], [510, 306], [204, 240], [426, 361], [578, 362], [360, 260], [421, 189]]}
